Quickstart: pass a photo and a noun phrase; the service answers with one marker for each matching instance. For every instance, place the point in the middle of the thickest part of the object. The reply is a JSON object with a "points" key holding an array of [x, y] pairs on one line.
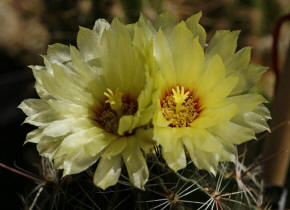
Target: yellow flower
{"points": [[94, 103], [202, 101]]}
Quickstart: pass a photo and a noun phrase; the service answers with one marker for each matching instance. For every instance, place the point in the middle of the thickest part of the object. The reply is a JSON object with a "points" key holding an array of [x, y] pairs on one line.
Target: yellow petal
{"points": [[125, 124], [70, 85], [145, 105], [164, 58], [144, 139], [188, 55], [201, 159], [246, 102], [34, 136], [124, 68], [48, 146], [233, 133], [53, 87], [223, 43], [205, 141], [63, 127], [213, 116], [238, 65], [100, 26], [254, 74], [68, 109], [79, 151], [85, 71], [239, 61], [212, 75], [92, 140], [252, 120], [196, 29], [89, 40], [135, 164], [42, 92], [108, 172], [221, 91], [166, 21], [262, 110], [144, 112], [58, 53], [172, 148], [76, 162], [88, 43], [116, 147], [33, 106], [42, 118], [143, 35]]}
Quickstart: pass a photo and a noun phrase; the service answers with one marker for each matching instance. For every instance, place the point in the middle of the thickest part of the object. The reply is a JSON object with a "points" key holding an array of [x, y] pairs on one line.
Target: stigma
{"points": [[114, 99], [179, 97]]}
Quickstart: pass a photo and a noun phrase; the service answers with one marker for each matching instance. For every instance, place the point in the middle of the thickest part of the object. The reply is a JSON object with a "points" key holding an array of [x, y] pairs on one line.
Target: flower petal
{"points": [[145, 110], [172, 148], [187, 64], [201, 159], [144, 139], [213, 73], [252, 120], [33, 106], [76, 162], [254, 74], [223, 43], [213, 116], [100, 26], [88, 42], [238, 65], [54, 87], [164, 58], [166, 21], [125, 124], [233, 133], [108, 172], [196, 29], [221, 91], [135, 164], [63, 127], [249, 74], [58, 53], [116, 147], [42, 118], [68, 109], [92, 140], [79, 151], [48, 146], [246, 102], [34, 136], [124, 68]]}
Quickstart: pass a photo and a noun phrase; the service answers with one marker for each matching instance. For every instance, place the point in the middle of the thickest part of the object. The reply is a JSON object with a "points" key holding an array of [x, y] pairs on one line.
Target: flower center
{"points": [[180, 107], [112, 109]]}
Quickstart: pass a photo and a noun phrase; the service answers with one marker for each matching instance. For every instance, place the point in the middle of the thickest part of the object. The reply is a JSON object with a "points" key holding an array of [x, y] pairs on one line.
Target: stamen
{"points": [[180, 107]]}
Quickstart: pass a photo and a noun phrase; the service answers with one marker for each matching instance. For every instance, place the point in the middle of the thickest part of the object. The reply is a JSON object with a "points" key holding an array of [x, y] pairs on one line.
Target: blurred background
{"points": [[27, 27]]}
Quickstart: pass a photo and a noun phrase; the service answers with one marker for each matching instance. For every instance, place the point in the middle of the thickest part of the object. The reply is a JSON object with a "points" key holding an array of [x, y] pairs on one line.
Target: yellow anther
{"points": [[179, 107], [114, 99], [179, 97]]}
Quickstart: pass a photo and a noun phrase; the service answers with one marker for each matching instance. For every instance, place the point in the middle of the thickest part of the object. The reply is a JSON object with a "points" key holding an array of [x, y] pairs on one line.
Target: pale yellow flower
{"points": [[94, 103], [202, 102]]}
